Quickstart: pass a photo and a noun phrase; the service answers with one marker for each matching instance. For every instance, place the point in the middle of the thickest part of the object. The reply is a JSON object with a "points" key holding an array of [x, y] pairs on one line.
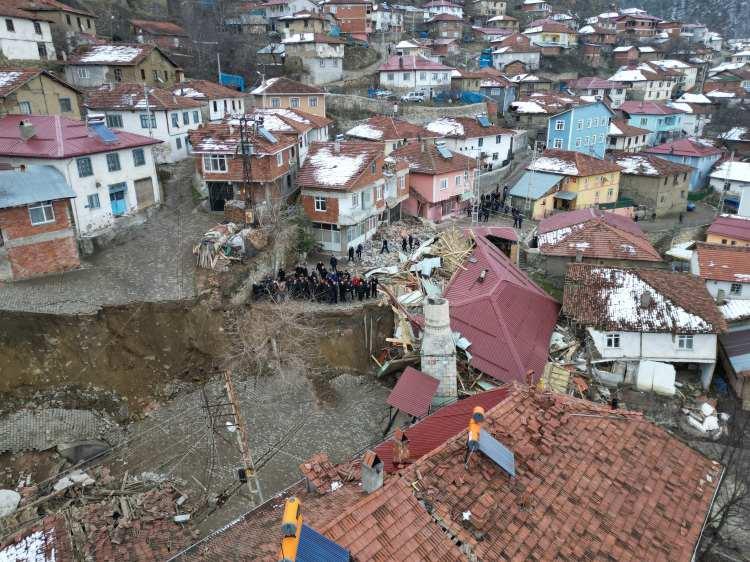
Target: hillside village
{"points": [[352, 280]]}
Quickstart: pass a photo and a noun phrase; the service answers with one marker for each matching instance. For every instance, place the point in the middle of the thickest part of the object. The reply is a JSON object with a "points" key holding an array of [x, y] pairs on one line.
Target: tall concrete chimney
{"points": [[438, 350], [371, 470]]}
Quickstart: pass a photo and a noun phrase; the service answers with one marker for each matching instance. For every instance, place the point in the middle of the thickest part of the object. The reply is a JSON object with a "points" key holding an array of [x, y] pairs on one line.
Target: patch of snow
{"points": [[735, 309], [446, 127], [735, 133], [586, 30], [745, 277], [554, 166], [637, 165], [527, 107], [627, 248], [8, 77], [580, 245], [264, 86], [614, 130], [38, 546], [681, 251], [720, 94], [335, 169], [111, 53], [187, 93], [694, 98], [365, 131], [555, 236], [299, 38]]}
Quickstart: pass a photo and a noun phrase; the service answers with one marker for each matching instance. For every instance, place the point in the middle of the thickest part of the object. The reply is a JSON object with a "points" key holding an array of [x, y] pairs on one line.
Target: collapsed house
{"points": [[524, 485], [633, 318]]}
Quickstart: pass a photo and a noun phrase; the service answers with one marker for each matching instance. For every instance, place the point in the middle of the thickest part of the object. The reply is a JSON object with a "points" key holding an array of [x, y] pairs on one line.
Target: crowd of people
{"points": [[321, 285], [496, 202]]}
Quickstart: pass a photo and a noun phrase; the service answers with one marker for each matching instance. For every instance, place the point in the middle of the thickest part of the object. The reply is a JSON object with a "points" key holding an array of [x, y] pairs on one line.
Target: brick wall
{"points": [[330, 215], [261, 169], [52, 256], [16, 222]]}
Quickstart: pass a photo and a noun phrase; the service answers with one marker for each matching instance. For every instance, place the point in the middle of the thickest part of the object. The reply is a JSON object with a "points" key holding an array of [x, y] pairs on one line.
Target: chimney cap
{"points": [[371, 459]]}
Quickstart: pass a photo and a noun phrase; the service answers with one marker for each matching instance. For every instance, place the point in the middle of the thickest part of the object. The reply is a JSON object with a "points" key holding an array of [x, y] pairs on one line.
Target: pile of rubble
{"points": [[226, 243]]}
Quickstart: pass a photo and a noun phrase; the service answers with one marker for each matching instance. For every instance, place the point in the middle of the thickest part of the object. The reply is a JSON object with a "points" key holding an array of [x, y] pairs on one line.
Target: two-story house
{"points": [[598, 88], [168, 35], [353, 17], [342, 188], [415, 73], [112, 173], [532, 112], [305, 127], [321, 56], [33, 91], [696, 153], [25, 34], [635, 315], [490, 145], [646, 82], [438, 7], [551, 37], [389, 131], [688, 73], [283, 93], [445, 26], [440, 180], [731, 180], [581, 128], [148, 111], [221, 163], [536, 7], [631, 54], [303, 22], [662, 120], [77, 23], [388, 18], [731, 230], [625, 137], [506, 22], [218, 102], [724, 268], [109, 63], [636, 24], [273, 10], [509, 51]]}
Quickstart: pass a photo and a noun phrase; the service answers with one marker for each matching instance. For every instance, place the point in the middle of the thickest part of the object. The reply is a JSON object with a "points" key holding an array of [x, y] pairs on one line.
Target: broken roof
{"points": [[609, 298], [731, 226], [570, 163], [329, 167], [413, 392], [385, 128], [130, 97], [722, 262], [425, 158], [643, 164], [505, 310]]}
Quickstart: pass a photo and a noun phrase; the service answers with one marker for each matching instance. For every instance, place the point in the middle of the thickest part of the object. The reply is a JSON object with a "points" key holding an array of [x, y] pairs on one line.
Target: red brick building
{"points": [[36, 232], [353, 16]]}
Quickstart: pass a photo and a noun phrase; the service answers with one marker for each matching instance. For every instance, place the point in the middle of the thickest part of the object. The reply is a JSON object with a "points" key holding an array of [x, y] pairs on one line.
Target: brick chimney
{"points": [[400, 447], [372, 472]]}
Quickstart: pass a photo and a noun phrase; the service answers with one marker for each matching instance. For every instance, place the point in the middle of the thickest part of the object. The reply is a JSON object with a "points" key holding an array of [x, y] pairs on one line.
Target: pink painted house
{"points": [[440, 181]]}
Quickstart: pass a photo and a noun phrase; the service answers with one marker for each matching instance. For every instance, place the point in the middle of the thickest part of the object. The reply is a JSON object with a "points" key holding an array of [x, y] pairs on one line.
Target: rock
{"points": [[9, 501]]}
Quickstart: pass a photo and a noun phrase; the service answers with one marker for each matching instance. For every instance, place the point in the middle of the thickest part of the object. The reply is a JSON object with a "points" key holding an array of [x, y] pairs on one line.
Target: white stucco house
{"points": [[414, 73], [322, 56], [733, 178], [166, 117], [724, 268], [634, 315], [112, 173], [218, 101], [475, 137], [25, 35]]}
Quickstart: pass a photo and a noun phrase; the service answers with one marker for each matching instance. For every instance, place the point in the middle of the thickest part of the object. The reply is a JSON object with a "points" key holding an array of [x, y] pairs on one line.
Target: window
{"points": [[312, 101], [402, 182], [275, 102], [458, 181], [379, 192], [84, 167], [178, 143], [613, 340], [93, 201], [588, 124], [155, 74], [113, 162], [444, 184], [322, 62], [139, 157], [498, 139], [196, 117], [37, 28], [644, 121], [166, 75], [558, 143], [82, 72], [67, 19], [215, 163], [579, 124], [735, 289], [42, 48], [216, 105], [578, 142], [148, 120], [373, 165], [434, 76], [114, 121], [388, 76], [406, 75], [186, 118], [480, 142], [41, 213], [559, 125], [355, 200], [280, 158], [610, 193], [9, 25], [25, 107], [685, 341], [88, 24], [294, 103], [320, 204], [175, 119], [445, 76], [234, 106]]}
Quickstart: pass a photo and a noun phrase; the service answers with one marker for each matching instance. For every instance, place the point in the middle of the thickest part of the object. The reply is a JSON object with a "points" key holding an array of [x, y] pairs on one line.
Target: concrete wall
{"points": [[656, 347], [21, 43], [413, 112]]}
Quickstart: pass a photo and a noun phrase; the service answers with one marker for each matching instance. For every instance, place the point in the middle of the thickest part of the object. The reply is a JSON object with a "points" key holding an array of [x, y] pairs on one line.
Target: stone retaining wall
{"points": [[414, 112]]}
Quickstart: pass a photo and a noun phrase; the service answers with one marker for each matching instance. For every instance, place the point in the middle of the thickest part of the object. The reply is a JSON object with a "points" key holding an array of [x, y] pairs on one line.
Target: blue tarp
{"points": [[471, 97], [534, 185], [232, 80]]}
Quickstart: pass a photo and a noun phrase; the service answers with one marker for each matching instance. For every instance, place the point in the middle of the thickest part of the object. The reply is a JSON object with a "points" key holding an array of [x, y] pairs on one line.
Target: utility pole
{"points": [[253, 485], [246, 151], [148, 110]]}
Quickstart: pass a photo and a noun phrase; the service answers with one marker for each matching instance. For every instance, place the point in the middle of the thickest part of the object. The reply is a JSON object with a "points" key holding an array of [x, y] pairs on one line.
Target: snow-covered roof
{"points": [[694, 98], [622, 49], [110, 54], [742, 54], [365, 131], [720, 94], [406, 45], [446, 127], [586, 30], [726, 66], [735, 133], [681, 106], [732, 171], [637, 165], [527, 107], [637, 74], [555, 166], [8, 77], [682, 251], [735, 309], [670, 63]]}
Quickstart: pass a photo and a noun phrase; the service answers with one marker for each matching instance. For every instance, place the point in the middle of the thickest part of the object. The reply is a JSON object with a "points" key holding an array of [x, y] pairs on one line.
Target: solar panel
{"points": [[266, 135], [444, 152], [483, 121], [497, 452], [101, 130], [314, 547]]}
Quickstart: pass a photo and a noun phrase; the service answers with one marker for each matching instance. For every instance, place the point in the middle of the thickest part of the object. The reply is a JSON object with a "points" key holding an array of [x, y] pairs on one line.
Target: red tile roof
{"points": [[160, 28], [731, 226], [327, 167], [205, 89], [411, 62], [389, 128], [506, 311], [721, 262], [444, 17], [643, 164], [626, 130], [424, 158], [504, 232], [413, 392], [59, 137], [21, 9], [224, 138], [431, 432], [685, 147], [572, 218], [285, 86], [593, 82], [609, 298], [570, 163], [649, 108], [13, 78], [130, 97], [51, 6]]}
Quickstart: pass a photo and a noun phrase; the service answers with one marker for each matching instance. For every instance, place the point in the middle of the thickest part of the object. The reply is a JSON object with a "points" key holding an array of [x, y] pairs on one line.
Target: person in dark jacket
{"points": [[359, 252], [411, 241], [351, 255], [334, 262], [403, 244], [374, 286], [384, 247]]}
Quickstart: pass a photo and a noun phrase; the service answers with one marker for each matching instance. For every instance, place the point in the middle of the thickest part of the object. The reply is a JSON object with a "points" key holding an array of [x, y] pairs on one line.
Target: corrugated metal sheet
{"points": [[314, 547], [37, 183], [534, 185], [737, 348], [413, 392]]}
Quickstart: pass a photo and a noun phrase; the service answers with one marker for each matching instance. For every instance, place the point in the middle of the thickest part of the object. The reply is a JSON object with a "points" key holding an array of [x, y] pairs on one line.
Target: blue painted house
{"points": [[664, 121], [582, 128], [701, 155]]}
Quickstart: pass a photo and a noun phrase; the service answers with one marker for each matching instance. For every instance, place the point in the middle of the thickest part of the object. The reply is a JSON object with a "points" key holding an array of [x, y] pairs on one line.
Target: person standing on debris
{"points": [[359, 252], [520, 220], [411, 241], [342, 291], [319, 267], [403, 244], [358, 286], [332, 293], [374, 286], [351, 254], [384, 247], [334, 262]]}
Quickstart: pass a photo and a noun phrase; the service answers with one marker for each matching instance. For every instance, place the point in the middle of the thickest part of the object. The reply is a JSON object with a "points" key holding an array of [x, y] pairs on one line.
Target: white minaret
{"points": [[438, 350]]}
